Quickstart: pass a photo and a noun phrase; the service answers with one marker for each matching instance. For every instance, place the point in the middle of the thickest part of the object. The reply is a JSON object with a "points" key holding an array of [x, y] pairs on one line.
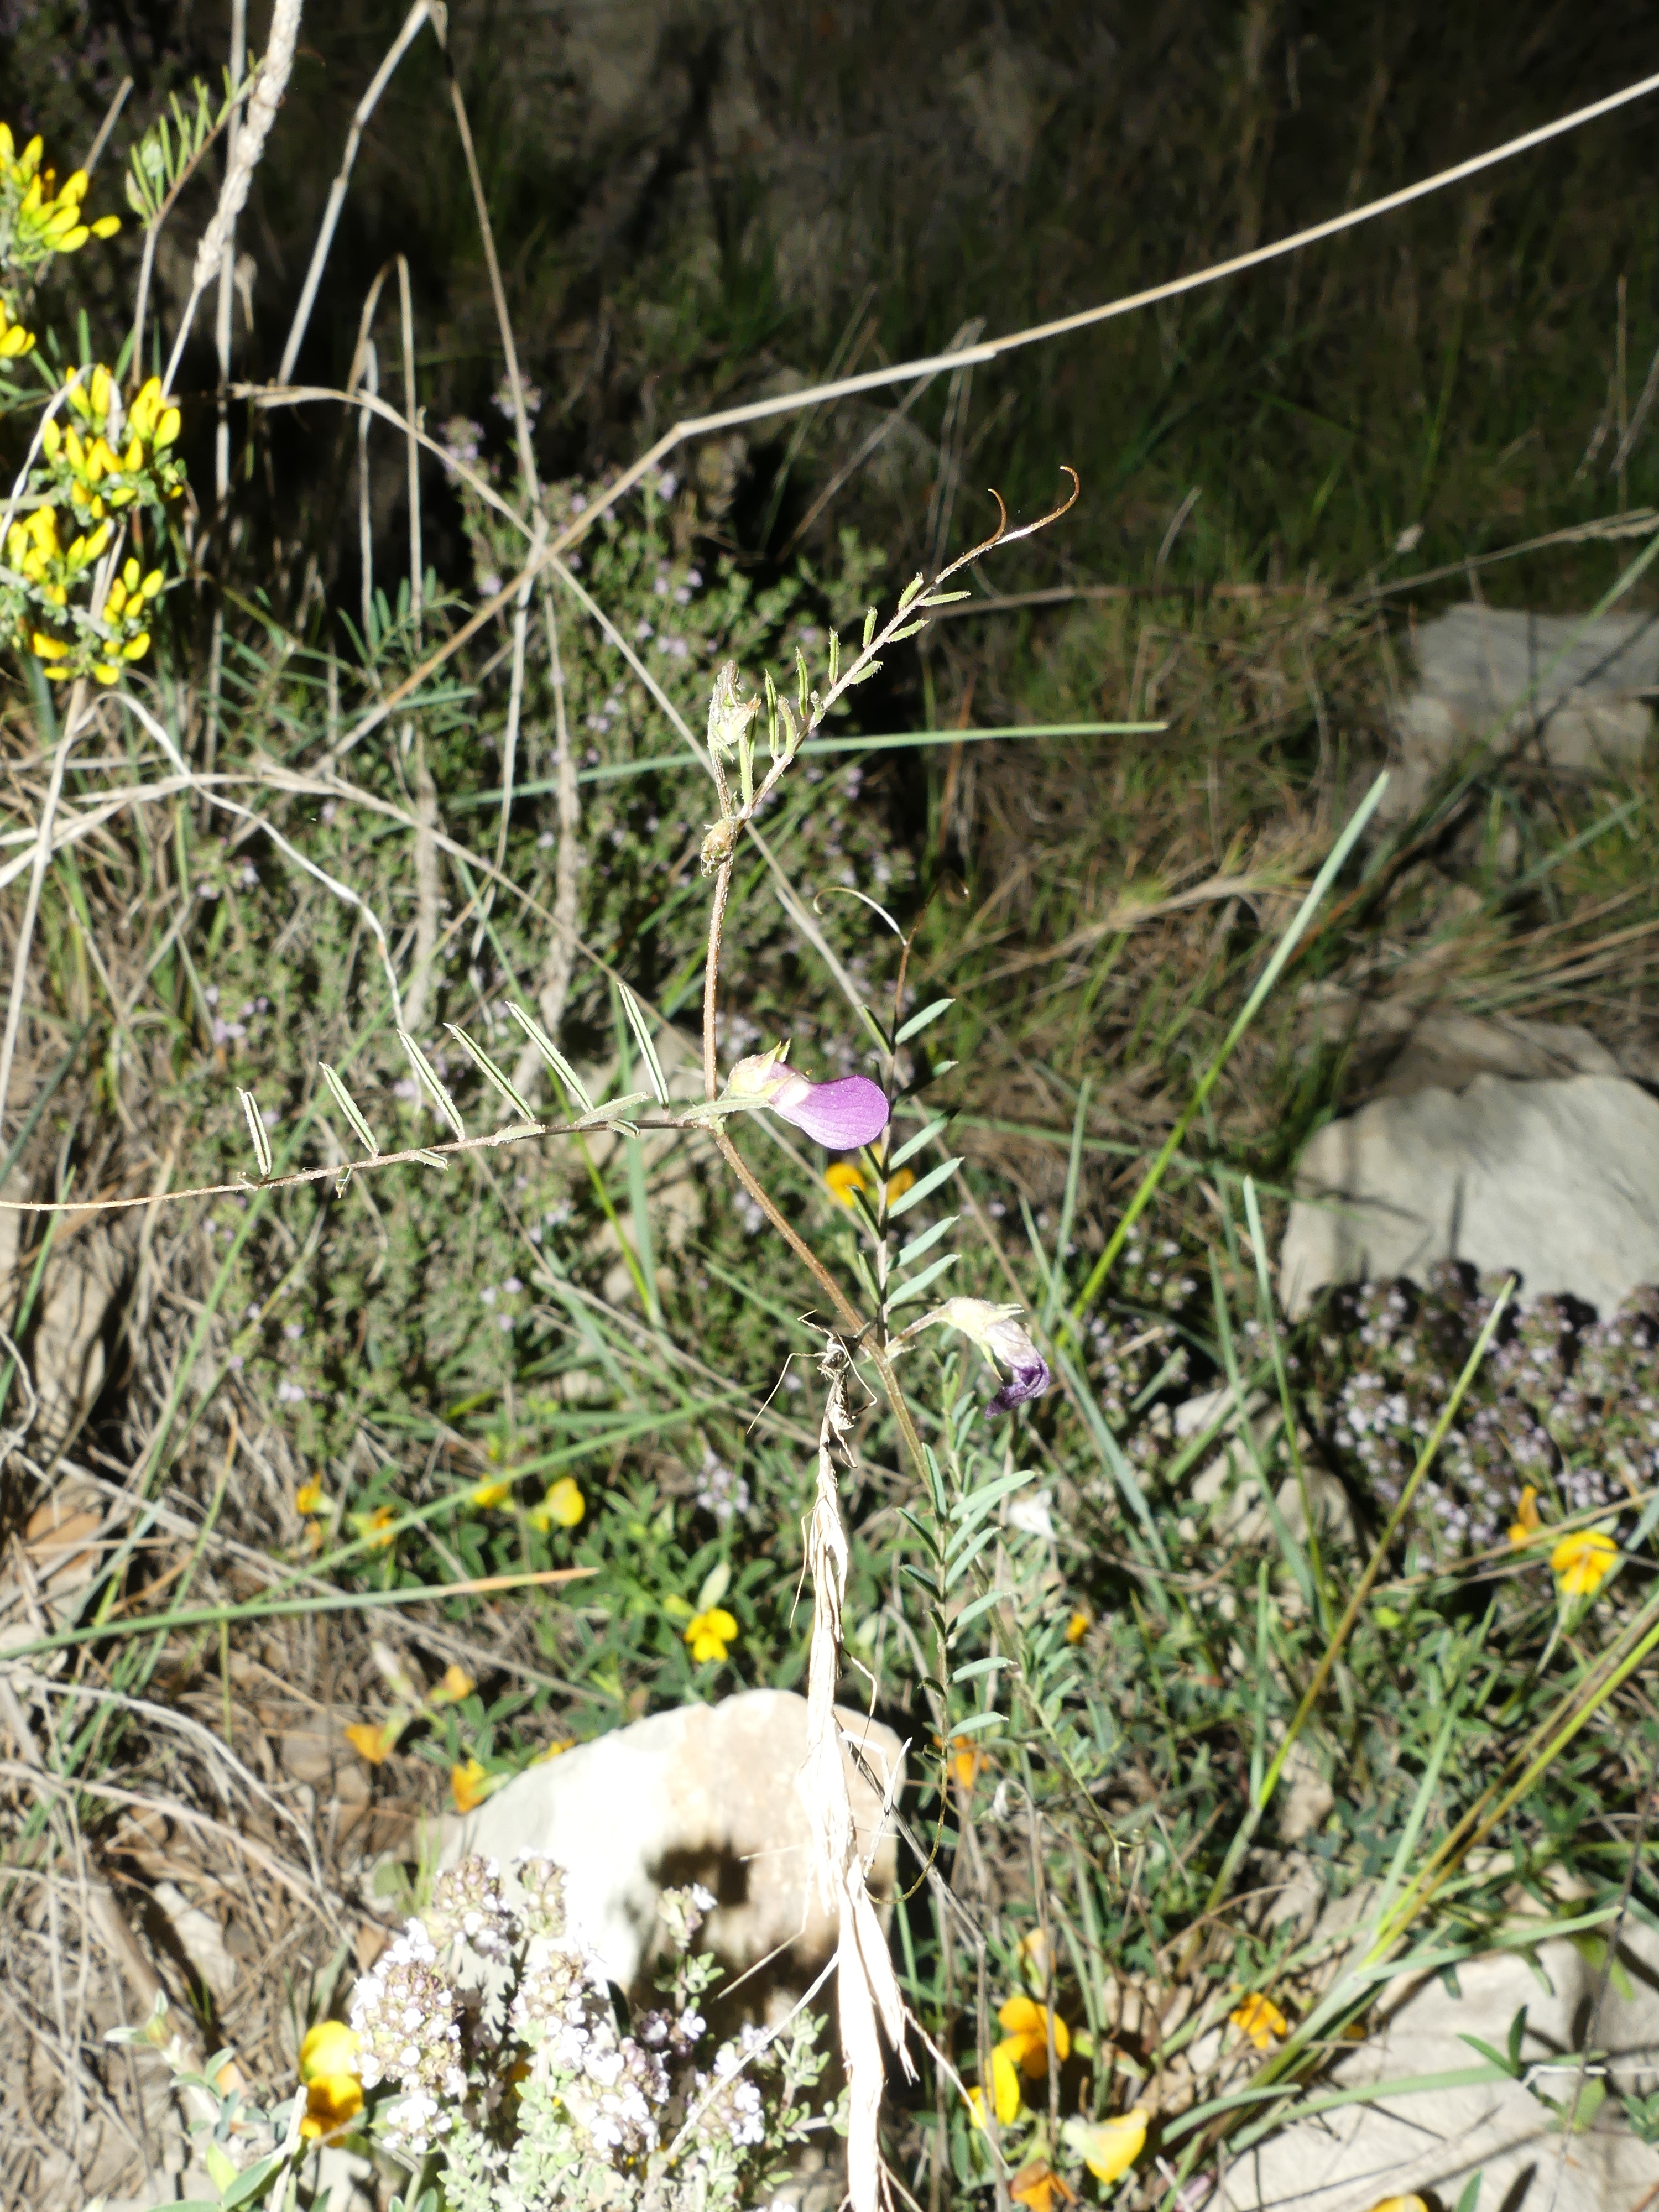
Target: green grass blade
{"points": [[1252, 1006]]}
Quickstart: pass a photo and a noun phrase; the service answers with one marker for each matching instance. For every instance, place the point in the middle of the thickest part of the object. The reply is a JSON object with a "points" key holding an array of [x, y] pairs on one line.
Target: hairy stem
{"points": [[711, 977]]}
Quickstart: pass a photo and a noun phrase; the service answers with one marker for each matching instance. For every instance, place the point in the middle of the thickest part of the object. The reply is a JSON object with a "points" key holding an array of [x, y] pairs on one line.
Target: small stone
{"points": [[705, 1793], [1556, 687], [1559, 1181]]}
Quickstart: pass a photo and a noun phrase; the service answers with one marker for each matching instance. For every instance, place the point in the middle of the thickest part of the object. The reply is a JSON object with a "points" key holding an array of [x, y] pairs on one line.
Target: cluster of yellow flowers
{"points": [[1108, 2148], [38, 216], [103, 456], [86, 464], [54, 571]]}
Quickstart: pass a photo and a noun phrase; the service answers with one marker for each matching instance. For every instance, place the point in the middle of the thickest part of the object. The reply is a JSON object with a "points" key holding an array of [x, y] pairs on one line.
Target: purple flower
{"points": [[842, 1116], [1028, 1373], [1000, 1337]]}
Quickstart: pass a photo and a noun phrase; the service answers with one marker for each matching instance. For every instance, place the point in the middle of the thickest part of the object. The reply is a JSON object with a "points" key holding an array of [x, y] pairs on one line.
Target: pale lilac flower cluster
{"points": [[727, 2102], [1564, 1401], [614, 2085], [719, 1492], [467, 1902], [526, 2087], [408, 2022]]}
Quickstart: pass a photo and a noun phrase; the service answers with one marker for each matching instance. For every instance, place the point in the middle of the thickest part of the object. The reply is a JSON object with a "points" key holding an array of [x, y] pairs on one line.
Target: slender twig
{"points": [[419, 14], [411, 416], [43, 848], [227, 276], [365, 518], [561, 953], [711, 973], [112, 115]]}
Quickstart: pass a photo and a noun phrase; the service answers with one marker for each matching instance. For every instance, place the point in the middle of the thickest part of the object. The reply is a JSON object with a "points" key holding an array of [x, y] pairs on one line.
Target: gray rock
{"points": [[1558, 1180], [1434, 2140], [706, 1793], [1568, 688], [1446, 1052]]}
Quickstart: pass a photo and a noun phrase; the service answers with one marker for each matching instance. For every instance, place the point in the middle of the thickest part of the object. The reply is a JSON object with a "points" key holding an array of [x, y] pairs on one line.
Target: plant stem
{"points": [[711, 976]]}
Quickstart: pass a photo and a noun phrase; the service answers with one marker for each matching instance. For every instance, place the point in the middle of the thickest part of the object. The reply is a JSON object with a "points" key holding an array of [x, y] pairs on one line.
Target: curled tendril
{"points": [[1003, 535]]}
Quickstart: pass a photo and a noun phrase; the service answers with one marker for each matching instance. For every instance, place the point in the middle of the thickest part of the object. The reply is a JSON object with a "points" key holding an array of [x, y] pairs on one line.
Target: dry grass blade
{"points": [[267, 98], [868, 1992], [418, 14]]}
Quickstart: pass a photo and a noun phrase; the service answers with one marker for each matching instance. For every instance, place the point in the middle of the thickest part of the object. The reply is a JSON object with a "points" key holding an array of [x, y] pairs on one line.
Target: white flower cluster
{"points": [[529, 2091], [467, 1902], [406, 2016], [737, 2109], [721, 1492]]}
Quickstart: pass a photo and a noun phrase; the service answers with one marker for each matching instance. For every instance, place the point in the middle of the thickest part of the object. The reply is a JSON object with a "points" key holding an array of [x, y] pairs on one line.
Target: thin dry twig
{"points": [[420, 13]]}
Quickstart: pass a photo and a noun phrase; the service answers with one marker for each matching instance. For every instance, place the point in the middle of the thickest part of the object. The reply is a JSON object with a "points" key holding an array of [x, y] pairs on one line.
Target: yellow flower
{"points": [[15, 340], [564, 1504], [331, 2047], [1110, 2147], [556, 1749], [487, 1494], [332, 2102], [844, 1180], [964, 1762], [376, 1526], [1005, 2084], [308, 1498], [1037, 2185], [1260, 2018], [1582, 1562], [1401, 2205], [455, 1685], [1078, 1625], [142, 415], [368, 1741], [710, 1634], [1526, 1517], [1027, 2044], [469, 1786]]}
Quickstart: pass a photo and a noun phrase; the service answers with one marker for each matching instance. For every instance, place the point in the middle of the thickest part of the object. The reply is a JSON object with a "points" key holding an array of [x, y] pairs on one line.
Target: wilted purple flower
{"points": [[840, 1115], [1000, 1337]]}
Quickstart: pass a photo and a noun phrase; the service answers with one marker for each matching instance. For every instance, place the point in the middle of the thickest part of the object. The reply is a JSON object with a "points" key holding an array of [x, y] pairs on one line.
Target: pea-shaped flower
{"points": [[843, 1115], [1000, 1338]]}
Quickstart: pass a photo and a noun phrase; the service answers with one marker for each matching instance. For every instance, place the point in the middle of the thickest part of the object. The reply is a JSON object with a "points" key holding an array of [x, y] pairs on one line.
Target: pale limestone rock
{"points": [[1559, 1181], [1557, 687], [705, 1793], [1431, 2142]]}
